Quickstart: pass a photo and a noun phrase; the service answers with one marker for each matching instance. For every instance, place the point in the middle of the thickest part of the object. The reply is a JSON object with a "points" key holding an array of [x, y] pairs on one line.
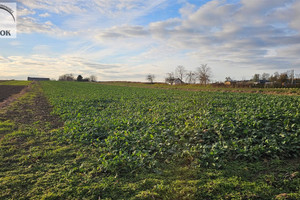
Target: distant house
{"points": [[174, 81], [231, 82], [37, 79], [243, 83], [178, 81], [260, 82]]}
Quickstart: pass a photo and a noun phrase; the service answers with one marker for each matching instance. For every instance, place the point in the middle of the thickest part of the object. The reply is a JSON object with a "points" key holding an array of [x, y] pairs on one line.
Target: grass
{"points": [[35, 163]]}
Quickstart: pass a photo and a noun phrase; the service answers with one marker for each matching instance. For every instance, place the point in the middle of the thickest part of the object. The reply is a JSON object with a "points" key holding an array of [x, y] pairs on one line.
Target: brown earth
{"points": [[9, 90], [37, 110], [11, 95]]}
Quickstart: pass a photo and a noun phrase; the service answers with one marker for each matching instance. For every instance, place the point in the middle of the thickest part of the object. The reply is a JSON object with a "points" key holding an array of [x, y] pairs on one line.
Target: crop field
{"points": [[208, 88], [114, 142]]}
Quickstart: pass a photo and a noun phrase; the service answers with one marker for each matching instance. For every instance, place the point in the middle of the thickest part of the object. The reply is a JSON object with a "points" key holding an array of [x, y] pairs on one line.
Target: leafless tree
{"points": [[170, 78], [204, 74], [93, 78], [283, 77], [274, 77], [66, 77], [228, 79], [256, 77], [191, 77], [265, 76], [180, 72], [291, 75], [150, 78]]}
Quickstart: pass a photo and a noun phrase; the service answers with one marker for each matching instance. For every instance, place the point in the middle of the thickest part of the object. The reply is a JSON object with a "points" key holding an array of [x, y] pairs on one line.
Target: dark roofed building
{"points": [[178, 81], [37, 79]]}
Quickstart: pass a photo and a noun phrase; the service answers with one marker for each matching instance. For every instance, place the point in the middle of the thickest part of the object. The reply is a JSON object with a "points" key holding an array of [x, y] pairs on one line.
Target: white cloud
{"points": [[115, 10], [54, 6], [125, 31], [295, 15], [187, 9], [25, 12], [44, 66], [45, 15], [30, 24]]}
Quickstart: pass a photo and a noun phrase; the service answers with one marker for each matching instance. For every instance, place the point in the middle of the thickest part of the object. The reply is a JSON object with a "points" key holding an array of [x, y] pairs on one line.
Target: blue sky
{"points": [[128, 39]]}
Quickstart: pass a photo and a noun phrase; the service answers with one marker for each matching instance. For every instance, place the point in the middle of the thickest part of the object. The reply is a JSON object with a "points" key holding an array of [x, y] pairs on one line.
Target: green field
{"points": [[119, 142]]}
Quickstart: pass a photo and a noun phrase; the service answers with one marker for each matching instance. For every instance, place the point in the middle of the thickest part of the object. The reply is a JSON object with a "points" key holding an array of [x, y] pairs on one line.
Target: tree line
{"points": [[285, 77], [70, 77], [202, 75]]}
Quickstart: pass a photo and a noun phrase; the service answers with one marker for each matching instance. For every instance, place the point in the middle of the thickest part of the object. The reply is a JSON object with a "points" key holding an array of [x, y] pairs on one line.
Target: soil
{"points": [[37, 110], [9, 90]]}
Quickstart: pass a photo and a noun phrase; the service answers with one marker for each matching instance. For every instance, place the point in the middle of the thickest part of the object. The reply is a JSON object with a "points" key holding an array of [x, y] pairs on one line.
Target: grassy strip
{"points": [[25, 83], [209, 88]]}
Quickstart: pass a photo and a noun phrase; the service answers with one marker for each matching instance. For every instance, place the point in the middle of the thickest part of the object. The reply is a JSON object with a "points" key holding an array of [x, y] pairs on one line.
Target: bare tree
{"points": [[204, 74], [256, 78], [170, 78], [180, 72], [265, 76], [228, 79], [150, 78], [291, 75], [191, 77], [93, 78], [66, 77], [274, 78], [283, 78]]}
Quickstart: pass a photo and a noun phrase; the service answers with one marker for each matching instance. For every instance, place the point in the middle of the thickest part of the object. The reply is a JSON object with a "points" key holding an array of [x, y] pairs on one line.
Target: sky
{"points": [[124, 40]]}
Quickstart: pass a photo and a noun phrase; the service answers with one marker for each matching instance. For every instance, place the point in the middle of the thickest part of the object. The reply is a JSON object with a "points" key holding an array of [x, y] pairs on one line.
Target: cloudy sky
{"points": [[128, 39]]}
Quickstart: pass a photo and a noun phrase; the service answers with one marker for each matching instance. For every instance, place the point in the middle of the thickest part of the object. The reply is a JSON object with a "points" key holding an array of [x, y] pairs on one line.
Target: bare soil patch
{"points": [[36, 110], [9, 93], [9, 90]]}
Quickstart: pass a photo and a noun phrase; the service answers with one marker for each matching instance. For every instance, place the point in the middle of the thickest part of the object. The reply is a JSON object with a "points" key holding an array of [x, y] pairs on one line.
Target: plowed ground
{"points": [[8, 90]]}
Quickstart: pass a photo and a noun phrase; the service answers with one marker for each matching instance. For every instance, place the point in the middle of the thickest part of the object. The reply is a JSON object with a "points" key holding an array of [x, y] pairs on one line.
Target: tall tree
{"points": [[191, 77], [150, 78], [274, 77], [180, 72], [170, 78], [291, 75], [228, 79], [79, 78], [93, 78], [66, 77], [265, 76], [283, 78], [204, 74], [256, 77]]}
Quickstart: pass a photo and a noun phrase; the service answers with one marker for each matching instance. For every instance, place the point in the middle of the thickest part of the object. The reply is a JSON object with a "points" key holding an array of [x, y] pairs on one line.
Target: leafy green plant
{"points": [[138, 128]]}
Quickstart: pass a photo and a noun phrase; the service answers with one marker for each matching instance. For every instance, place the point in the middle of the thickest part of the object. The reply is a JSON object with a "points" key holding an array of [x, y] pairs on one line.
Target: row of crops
{"points": [[138, 128]]}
